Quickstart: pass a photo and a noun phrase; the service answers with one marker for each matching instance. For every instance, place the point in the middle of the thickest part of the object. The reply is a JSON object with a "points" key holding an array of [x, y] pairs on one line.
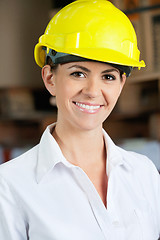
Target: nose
{"points": [[92, 88]]}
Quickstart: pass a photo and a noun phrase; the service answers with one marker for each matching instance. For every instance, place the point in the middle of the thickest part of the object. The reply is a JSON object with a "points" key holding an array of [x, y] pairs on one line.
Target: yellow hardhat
{"points": [[92, 29]]}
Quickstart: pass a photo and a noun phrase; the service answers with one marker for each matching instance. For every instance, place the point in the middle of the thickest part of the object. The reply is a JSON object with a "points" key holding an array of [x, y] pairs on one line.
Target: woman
{"points": [[76, 183]]}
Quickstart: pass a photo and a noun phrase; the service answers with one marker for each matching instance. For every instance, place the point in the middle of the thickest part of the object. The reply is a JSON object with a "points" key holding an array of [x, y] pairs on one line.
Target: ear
{"points": [[48, 77]]}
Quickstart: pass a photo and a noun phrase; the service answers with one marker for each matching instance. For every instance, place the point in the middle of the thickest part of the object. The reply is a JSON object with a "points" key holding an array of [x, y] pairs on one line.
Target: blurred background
{"points": [[26, 108]]}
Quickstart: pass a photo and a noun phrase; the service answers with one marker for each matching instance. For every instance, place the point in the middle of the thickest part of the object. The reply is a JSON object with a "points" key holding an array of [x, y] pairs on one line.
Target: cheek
{"points": [[112, 93], [63, 95], [67, 88]]}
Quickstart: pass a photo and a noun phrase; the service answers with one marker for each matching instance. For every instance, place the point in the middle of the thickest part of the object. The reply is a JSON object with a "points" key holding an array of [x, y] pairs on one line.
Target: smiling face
{"points": [[86, 92]]}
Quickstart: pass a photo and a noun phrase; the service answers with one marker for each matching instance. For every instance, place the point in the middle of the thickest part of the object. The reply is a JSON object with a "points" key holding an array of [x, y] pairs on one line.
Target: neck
{"points": [[81, 147]]}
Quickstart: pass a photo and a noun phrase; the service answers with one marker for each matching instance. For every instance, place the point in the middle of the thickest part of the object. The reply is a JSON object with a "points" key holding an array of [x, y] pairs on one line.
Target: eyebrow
{"points": [[87, 70], [81, 67], [111, 70]]}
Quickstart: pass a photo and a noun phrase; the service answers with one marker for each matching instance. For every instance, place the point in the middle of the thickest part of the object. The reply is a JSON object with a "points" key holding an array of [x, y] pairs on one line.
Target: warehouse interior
{"points": [[26, 108]]}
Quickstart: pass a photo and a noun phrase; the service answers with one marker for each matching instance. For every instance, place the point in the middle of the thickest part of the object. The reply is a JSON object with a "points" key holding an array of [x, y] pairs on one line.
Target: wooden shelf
{"points": [[144, 76]]}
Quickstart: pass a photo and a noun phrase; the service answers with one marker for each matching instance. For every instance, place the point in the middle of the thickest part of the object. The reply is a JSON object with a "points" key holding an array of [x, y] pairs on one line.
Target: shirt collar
{"points": [[50, 154], [116, 156]]}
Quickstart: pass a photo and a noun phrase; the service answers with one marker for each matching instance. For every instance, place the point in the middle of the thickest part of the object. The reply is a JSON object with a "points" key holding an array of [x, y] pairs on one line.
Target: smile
{"points": [[90, 108]]}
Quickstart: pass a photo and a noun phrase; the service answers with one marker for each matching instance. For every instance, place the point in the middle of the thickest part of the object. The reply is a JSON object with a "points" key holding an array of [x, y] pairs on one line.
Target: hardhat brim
{"points": [[98, 54]]}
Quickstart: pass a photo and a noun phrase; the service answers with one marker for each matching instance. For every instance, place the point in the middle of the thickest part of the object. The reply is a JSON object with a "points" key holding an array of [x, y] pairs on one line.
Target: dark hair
{"points": [[51, 64], [121, 73]]}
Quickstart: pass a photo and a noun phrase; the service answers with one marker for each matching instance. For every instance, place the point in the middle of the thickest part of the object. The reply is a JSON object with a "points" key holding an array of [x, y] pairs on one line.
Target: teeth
{"points": [[88, 107]]}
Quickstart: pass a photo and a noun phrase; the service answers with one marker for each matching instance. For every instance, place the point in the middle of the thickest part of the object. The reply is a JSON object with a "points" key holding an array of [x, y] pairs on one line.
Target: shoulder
{"points": [[136, 160], [21, 166], [143, 169]]}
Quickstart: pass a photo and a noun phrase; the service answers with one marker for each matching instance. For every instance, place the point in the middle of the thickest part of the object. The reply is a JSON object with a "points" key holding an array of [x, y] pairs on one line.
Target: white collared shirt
{"points": [[44, 197]]}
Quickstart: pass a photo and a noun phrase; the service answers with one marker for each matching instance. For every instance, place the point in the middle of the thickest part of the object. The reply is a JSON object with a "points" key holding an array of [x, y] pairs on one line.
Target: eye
{"points": [[78, 74], [108, 77]]}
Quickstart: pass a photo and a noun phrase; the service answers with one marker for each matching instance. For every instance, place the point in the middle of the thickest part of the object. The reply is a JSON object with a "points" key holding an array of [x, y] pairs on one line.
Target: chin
{"points": [[89, 126]]}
